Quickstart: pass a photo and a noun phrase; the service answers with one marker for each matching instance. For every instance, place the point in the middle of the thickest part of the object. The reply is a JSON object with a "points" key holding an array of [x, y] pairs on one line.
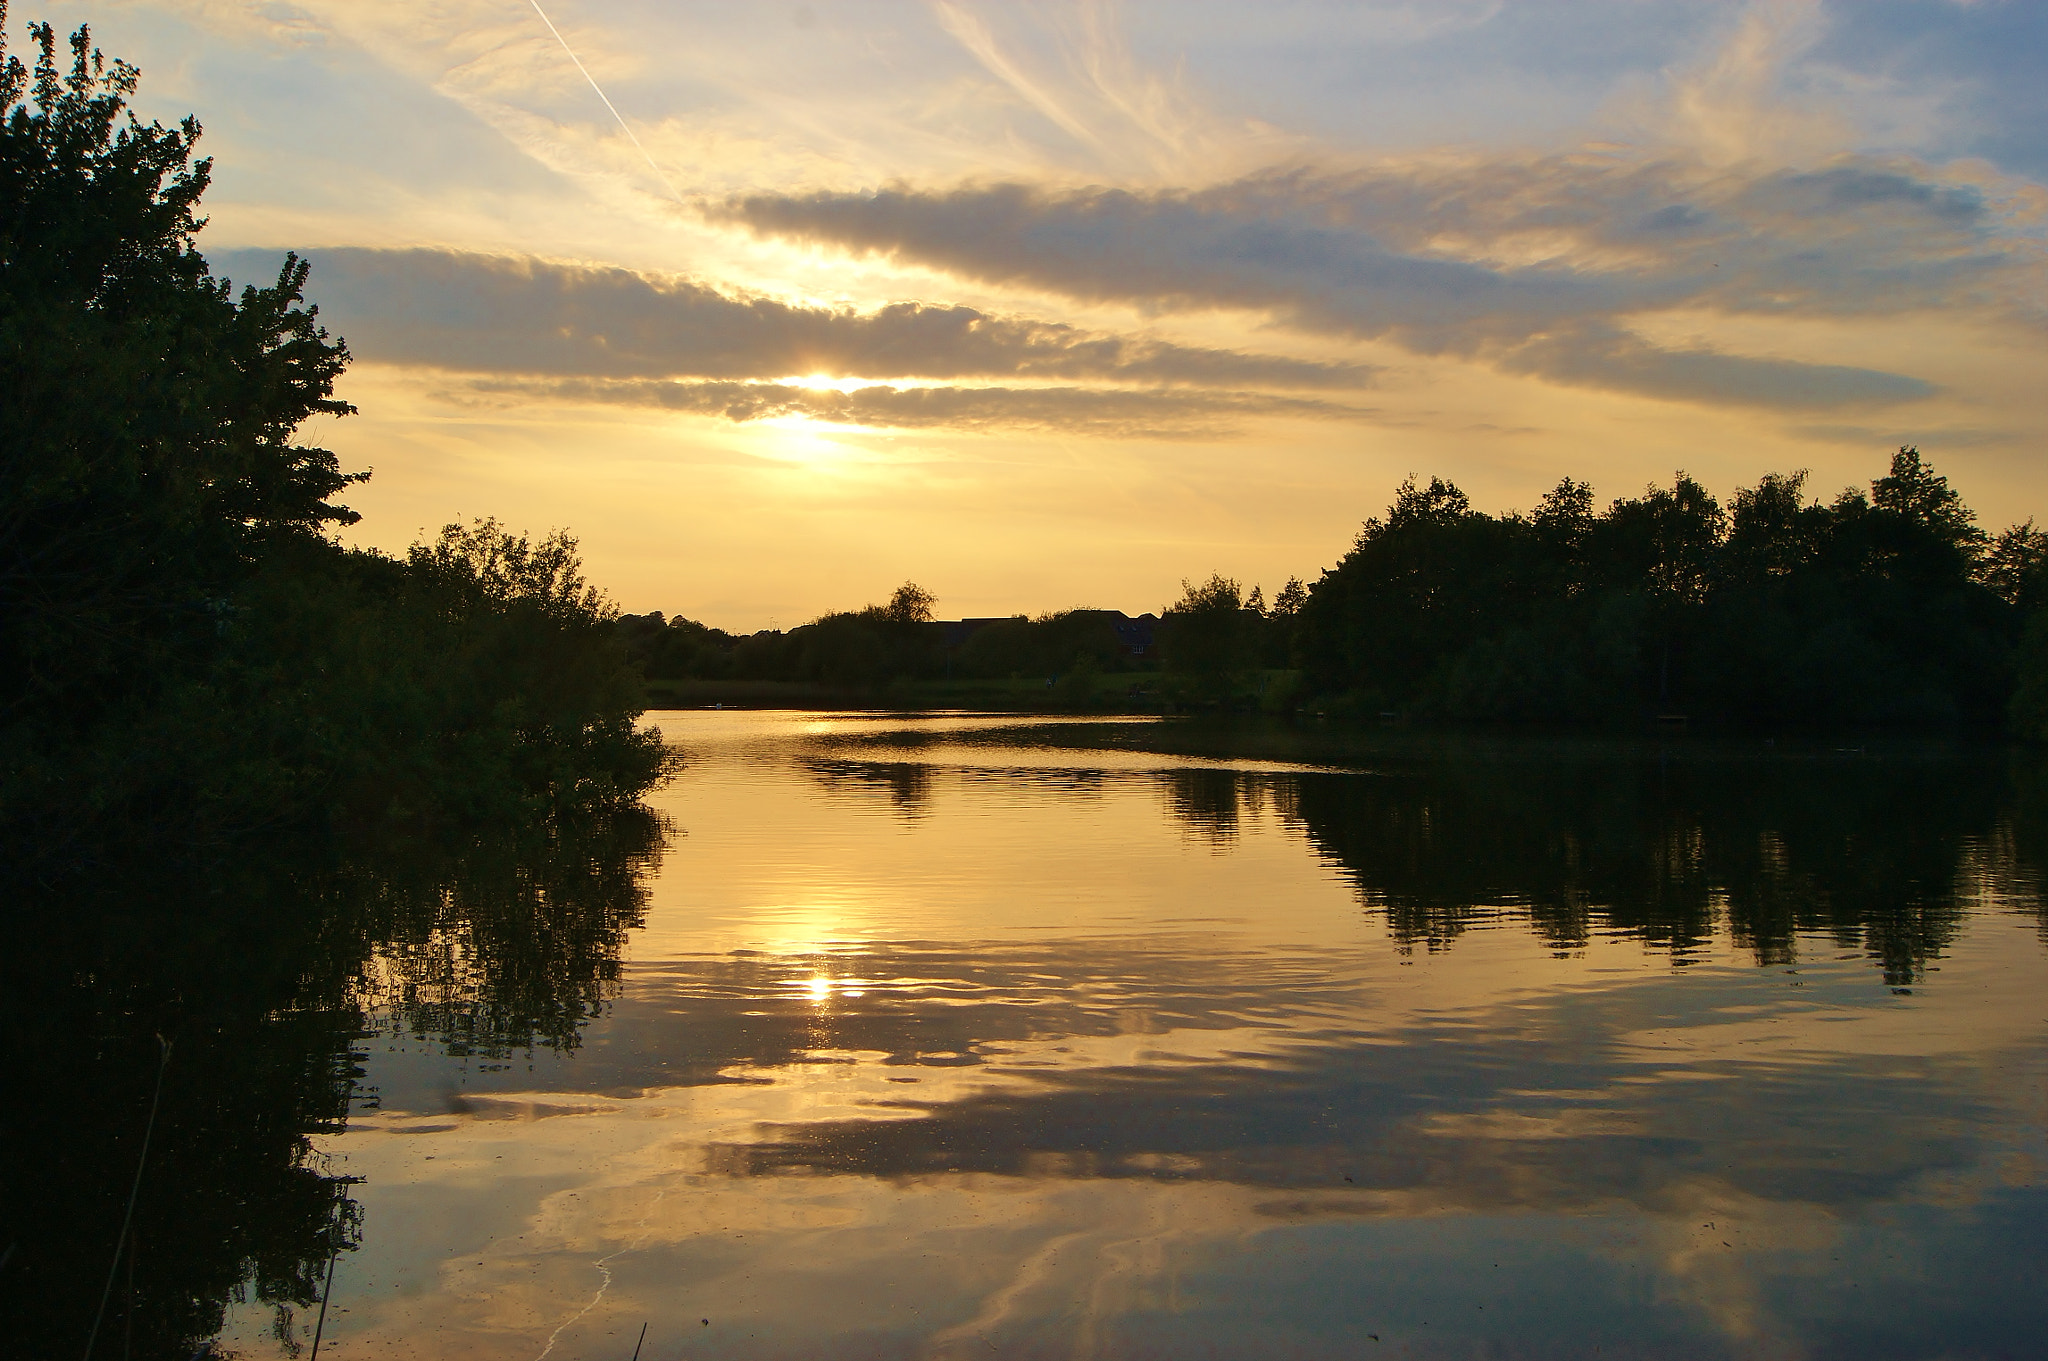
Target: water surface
{"points": [[995, 1037]]}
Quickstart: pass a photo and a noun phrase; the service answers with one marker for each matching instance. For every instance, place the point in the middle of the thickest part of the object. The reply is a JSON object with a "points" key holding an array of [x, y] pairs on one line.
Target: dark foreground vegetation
{"points": [[255, 787], [215, 1001], [1886, 608], [183, 647]]}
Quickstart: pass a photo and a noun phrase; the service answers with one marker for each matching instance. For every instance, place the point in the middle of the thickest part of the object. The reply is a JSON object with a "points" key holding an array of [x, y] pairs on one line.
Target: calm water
{"points": [[969, 1037]]}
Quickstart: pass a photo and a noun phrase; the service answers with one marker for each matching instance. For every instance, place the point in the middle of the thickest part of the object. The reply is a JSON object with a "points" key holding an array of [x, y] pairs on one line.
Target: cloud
{"points": [[1534, 263], [1894, 436], [1073, 67], [1164, 413], [498, 314], [1601, 356], [1733, 106]]}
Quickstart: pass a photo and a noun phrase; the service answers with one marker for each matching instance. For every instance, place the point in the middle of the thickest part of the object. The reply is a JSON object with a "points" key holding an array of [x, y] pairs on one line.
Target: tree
{"points": [[1418, 586], [1563, 522], [147, 417], [183, 649], [1914, 529], [1914, 492], [1211, 637], [1667, 540], [1667, 544], [1772, 531], [2013, 566], [912, 604], [1282, 624]]}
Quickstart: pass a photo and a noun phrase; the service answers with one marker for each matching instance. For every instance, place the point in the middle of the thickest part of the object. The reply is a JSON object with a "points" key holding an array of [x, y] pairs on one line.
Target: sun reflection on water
{"points": [[1205, 1052]]}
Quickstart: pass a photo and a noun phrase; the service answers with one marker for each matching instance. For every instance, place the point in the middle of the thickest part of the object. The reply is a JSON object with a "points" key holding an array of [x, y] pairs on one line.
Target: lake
{"points": [[967, 1036]]}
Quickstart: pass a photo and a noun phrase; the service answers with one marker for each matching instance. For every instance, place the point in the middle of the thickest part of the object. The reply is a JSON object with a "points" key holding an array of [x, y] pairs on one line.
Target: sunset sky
{"points": [[1045, 304]]}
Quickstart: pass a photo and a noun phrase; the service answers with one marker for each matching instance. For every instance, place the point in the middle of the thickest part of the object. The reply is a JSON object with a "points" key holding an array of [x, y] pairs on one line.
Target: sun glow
{"points": [[818, 988], [797, 440], [846, 386], [825, 382]]}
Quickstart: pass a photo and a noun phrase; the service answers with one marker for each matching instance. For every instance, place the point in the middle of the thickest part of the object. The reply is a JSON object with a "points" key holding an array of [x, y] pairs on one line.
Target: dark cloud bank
{"points": [[613, 335], [502, 314], [1532, 265]]}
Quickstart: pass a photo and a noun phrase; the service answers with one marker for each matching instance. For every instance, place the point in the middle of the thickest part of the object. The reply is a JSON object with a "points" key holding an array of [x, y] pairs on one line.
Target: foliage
{"points": [[182, 647], [1051, 645], [1891, 607], [1211, 637], [911, 604], [266, 966], [670, 649], [147, 459], [2027, 710], [1075, 687], [870, 649], [479, 676], [1282, 624]]}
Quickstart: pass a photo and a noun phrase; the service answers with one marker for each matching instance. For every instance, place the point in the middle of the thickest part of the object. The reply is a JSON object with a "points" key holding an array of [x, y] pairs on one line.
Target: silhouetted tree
{"points": [[1211, 638], [1417, 588], [1277, 645], [180, 640], [911, 604], [1883, 607], [670, 648], [2013, 566], [147, 415]]}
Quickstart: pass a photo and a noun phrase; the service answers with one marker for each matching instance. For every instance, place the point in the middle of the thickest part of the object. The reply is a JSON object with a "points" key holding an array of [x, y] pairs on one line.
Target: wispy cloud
{"points": [[1073, 67], [1732, 106], [598, 90], [974, 35], [1126, 413]]}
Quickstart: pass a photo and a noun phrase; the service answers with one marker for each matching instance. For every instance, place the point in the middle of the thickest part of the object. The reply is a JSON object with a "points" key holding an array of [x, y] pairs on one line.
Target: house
{"points": [[1136, 635]]}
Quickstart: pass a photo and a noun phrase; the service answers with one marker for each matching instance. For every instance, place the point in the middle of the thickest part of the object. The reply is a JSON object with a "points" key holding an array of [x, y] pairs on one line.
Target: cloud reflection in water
{"points": [[1198, 1089]]}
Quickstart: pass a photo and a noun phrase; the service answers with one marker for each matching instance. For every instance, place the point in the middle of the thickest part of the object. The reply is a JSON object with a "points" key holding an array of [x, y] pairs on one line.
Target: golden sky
{"points": [[1059, 303]]}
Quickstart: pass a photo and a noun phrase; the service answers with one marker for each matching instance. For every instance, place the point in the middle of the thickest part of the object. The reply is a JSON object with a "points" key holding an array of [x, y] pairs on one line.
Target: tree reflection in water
{"points": [[268, 969], [907, 784], [1878, 854], [261, 968]]}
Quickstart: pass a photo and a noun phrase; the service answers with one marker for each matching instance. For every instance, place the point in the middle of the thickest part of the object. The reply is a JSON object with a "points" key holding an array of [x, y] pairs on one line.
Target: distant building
{"points": [[1134, 636]]}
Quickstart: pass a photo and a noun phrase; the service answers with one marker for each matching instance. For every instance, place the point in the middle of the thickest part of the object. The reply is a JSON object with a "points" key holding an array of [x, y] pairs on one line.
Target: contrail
{"points": [[624, 126]]}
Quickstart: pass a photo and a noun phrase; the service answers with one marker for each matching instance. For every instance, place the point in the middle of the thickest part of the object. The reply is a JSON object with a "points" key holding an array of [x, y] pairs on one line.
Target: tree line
{"points": [[1889, 607]]}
